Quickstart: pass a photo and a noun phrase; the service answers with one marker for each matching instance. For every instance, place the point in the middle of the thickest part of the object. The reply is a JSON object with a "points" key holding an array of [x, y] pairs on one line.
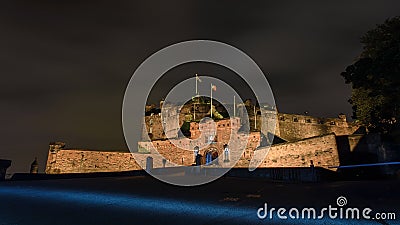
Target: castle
{"points": [[298, 140]]}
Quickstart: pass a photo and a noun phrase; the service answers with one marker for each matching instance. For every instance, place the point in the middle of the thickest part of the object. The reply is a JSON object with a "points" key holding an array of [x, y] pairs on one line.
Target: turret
{"points": [[34, 166]]}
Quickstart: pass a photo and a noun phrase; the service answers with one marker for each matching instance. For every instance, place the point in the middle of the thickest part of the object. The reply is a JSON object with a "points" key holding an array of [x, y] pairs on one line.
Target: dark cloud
{"points": [[65, 65]]}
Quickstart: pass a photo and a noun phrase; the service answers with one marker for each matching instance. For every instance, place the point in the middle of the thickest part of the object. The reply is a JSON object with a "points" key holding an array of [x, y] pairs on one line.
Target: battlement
{"points": [[341, 121]]}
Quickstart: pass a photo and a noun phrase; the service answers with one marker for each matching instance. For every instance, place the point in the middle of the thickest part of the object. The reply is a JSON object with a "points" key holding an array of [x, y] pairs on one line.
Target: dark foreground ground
{"points": [[145, 200]]}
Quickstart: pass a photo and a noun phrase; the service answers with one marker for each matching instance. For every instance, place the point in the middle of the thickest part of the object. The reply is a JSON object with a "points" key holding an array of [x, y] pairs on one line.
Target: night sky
{"points": [[65, 64]]}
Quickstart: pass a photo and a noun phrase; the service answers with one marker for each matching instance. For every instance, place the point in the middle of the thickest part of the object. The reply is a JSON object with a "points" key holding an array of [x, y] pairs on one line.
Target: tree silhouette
{"points": [[375, 78]]}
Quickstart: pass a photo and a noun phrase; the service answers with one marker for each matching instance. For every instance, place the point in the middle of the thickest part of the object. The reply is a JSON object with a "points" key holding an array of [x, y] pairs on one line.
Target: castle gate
{"points": [[211, 156]]}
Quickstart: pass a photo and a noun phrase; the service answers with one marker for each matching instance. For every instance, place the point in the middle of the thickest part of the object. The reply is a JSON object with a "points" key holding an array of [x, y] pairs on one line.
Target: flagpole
{"points": [[234, 106], [197, 93], [211, 90], [194, 102], [255, 118]]}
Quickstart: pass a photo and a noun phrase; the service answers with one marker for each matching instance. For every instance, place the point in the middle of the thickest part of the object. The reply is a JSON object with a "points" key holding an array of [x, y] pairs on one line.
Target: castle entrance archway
{"points": [[211, 156]]}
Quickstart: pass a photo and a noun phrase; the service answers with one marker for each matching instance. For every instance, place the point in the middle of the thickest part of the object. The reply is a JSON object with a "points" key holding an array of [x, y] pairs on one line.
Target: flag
{"points": [[198, 78], [214, 88]]}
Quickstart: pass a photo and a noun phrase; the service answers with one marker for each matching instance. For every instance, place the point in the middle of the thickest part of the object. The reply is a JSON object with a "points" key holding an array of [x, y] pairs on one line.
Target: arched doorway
{"points": [[212, 156]]}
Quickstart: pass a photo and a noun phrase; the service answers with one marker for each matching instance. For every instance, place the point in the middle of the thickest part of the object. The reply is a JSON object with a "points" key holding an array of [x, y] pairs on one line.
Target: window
{"points": [[295, 119], [196, 151], [226, 153], [308, 120]]}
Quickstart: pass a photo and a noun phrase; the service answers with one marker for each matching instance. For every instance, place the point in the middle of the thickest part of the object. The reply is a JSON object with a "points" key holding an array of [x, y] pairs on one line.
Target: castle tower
{"points": [[34, 166], [269, 118]]}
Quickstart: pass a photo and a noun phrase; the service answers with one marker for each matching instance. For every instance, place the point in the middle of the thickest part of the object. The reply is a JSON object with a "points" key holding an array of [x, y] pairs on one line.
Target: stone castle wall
{"points": [[296, 127], [86, 161], [321, 150]]}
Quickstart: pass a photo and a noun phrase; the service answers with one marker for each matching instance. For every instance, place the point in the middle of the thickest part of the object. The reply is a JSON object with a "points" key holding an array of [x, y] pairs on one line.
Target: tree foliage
{"points": [[375, 78]]}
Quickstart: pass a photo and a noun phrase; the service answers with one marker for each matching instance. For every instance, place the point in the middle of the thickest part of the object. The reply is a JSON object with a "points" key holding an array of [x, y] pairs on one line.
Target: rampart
{"points": [[62, 160], [321, 151]]}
